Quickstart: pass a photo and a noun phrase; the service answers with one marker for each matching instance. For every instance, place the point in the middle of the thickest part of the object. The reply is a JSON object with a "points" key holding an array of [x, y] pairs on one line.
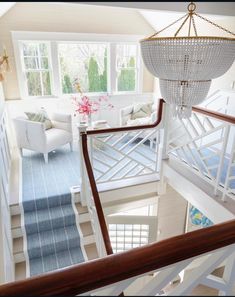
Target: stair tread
{"points": [[20, 268], [16, 219], [48, 242], [33, 204], [56, 261], [48, 219], [86, 230]]}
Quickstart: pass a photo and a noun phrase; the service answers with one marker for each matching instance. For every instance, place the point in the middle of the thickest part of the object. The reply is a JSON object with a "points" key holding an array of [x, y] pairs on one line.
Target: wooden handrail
{"points": [[205, 111], [96, 197], [97, 273], [130, 128], [91, 177], [214, 114]]}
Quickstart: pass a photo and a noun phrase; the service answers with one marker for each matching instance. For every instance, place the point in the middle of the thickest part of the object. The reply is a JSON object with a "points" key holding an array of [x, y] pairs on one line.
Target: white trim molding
{"points": [[54, 38]]}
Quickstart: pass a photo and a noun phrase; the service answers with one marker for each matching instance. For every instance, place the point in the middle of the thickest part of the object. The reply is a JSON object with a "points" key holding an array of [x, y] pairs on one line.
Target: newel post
{"points": [[164, 140], [84, 188], [163, 147]]}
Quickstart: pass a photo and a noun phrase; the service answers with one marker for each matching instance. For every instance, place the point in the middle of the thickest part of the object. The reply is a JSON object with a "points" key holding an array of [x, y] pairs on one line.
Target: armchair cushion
{"points": [[56, 137], [139, 121], [62, 121], [41, 117]]}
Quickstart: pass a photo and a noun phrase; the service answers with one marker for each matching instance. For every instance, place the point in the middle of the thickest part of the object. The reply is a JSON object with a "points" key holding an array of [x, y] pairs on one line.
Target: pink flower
{"points": [[86, 106]]}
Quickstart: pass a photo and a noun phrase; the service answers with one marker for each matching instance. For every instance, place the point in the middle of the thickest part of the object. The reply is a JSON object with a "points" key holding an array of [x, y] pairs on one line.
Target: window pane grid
{"points": [[103, 70], [126, 236], [126, 61], [87, 62], [37, 68]]}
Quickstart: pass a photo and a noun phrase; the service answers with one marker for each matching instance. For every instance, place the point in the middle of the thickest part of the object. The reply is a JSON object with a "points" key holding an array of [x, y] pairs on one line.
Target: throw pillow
{"points": [[40, 117], [141, 111]]}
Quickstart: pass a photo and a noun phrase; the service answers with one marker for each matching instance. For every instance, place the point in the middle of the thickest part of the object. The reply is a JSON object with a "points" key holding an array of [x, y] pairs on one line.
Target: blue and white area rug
{"points": [[52, 236]]}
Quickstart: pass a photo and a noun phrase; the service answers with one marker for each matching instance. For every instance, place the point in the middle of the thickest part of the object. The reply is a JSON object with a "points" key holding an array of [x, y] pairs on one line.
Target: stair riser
{"points": [[50, 224], [45, 202], [20, 256], [51, 248], [82, 218]]}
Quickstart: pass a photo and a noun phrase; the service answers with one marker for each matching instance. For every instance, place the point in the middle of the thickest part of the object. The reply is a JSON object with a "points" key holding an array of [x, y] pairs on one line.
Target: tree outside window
{"points": [[37, 68], [87, 62], [126, 66]]}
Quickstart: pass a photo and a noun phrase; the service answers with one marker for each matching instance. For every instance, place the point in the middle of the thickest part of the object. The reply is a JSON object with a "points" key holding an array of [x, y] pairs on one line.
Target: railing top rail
{"points": [[98, 273], [214, 114], [131, 128], [205, 111]]}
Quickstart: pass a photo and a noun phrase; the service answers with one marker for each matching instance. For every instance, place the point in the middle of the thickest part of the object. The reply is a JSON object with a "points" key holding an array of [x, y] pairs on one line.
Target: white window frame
{"points": [[58, 37], [108, 69], [24, 70]]}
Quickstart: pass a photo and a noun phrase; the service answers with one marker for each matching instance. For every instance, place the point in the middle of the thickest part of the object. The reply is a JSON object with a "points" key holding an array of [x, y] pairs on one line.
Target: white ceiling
{"points": [[159, 19], [5, 6], [216, 8]]}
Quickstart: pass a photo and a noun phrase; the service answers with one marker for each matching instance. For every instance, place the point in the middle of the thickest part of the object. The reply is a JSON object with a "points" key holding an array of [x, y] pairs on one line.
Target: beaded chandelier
{"points": [[186, 65]]}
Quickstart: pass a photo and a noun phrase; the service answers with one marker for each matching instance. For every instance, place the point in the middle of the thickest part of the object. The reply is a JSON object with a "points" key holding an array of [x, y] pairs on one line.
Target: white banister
{"points": [[202, 143], [87, 198], [132, 154], [160, 282]]}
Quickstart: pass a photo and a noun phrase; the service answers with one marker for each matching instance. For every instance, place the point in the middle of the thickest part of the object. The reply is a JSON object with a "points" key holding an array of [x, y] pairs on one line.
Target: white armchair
{"points": [[33, 135]]}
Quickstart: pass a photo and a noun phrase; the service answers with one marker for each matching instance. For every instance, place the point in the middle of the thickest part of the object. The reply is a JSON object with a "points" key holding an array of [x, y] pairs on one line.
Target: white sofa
{"points": [[33, 135], [127, 115], [131, 116]]}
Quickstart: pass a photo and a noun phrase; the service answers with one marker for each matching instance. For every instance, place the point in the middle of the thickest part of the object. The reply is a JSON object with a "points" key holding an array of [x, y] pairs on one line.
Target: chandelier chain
{"points": [[214, 24], [168, 26], [194, 26], [181, 25], [190, 21]]}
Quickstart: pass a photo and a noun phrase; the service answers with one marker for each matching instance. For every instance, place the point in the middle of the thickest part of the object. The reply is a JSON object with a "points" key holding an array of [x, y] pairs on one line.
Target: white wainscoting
{"points": [[6, 254]]}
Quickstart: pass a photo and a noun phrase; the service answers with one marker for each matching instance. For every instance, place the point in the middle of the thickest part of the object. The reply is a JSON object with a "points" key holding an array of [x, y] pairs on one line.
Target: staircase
{"points": [[87, 239]]}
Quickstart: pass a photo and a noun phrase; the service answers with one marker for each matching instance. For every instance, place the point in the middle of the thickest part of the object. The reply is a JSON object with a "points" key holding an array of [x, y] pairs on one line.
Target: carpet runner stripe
{"points": [[52, 236]]}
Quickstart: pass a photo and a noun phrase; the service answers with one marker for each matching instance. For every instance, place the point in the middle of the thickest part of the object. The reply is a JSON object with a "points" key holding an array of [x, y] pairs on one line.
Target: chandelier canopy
{"points": [[186, 65]]}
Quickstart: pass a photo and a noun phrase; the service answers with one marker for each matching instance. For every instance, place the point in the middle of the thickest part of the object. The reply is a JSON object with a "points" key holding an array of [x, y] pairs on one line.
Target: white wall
{"points": [[2, 98]]}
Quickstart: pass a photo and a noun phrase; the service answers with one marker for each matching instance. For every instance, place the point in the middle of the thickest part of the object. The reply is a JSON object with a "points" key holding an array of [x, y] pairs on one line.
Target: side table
{"points": [[101, 124]]}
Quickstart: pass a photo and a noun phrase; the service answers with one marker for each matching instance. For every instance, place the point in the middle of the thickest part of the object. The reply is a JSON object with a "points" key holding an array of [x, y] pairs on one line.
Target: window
{"points": [[48, 63], [36, 66], [127, 236], [86, 61], [126, 60]]}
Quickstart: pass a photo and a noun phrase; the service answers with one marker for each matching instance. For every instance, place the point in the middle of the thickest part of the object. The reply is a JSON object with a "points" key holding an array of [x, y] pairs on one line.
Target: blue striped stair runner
{"points": [[52, 236]]}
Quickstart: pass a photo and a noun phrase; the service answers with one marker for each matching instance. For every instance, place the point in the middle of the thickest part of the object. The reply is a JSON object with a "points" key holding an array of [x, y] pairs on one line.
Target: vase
{"points": [[85, 120]]}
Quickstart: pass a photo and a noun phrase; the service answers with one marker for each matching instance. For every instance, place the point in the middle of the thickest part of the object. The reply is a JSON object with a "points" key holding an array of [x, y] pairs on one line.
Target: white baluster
{"points": [[229, 276], [226, 184], [222, 155], [166, 118]]}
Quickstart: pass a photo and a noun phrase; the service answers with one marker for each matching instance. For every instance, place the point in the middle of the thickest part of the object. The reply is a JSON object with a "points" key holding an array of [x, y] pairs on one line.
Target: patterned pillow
{"points": [[141, 111], [40, 117]]}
